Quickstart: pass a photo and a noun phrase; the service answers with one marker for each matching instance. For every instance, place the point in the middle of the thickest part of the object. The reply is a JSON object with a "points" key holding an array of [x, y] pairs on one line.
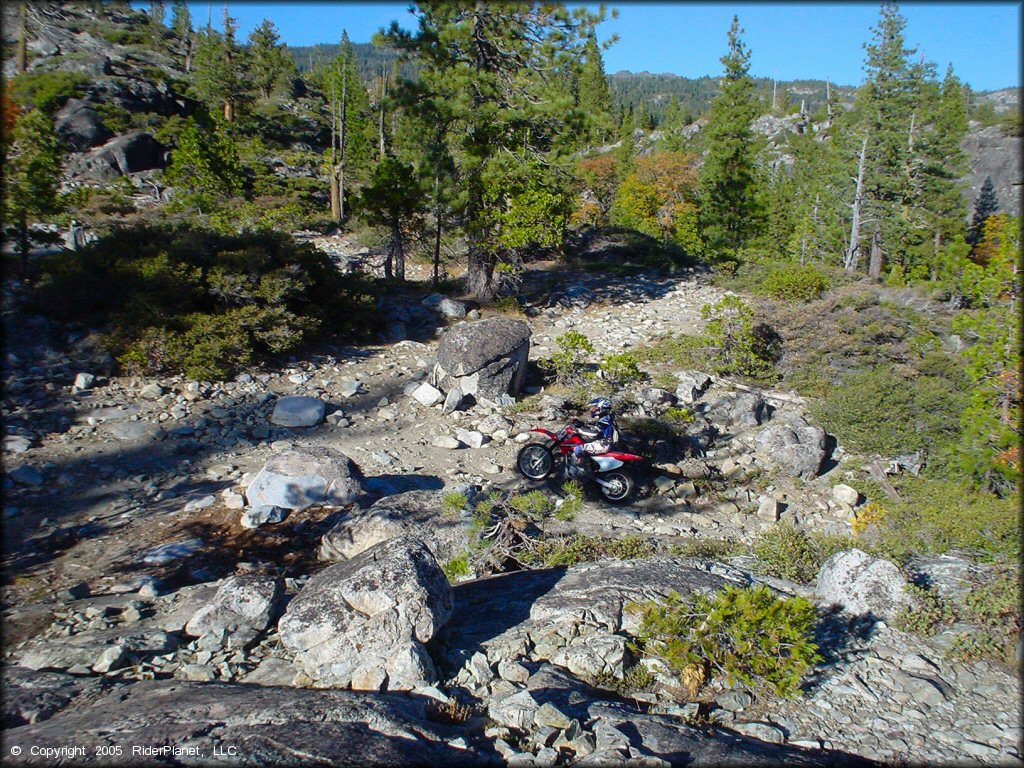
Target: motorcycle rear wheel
{"points": [[535, 461], [619, 488]]}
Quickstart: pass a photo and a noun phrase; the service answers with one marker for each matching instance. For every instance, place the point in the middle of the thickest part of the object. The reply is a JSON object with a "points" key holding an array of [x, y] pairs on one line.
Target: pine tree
{"points": [[595, 97], [392, 199], [986, 204], [181, 26], [220, 76], [270, 62], [352, 134], [157, 12], [730, 210], [886, 109], [32, 167], [205, 169], [490, 64]]}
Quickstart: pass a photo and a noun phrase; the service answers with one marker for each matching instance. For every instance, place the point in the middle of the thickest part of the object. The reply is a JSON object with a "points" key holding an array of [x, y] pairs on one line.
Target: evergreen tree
{"points": [[393, 200], [886, 109], [205, 169], [595, 97], [31, 175], [491, 64], [351, 150], [940, 209], [157, 12], [270, 62], [985, 205], [730, 209], [220, 76], [181, 26]]}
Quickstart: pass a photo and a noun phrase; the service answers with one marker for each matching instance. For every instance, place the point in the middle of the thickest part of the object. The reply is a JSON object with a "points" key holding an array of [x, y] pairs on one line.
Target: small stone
{"points": [[16, 444], [768, 508], [664, 484], [446, 441], [427, 395], [27, 475], [470, 437], [232, 499], [844, 494], [200, 502], [548, 714], [298, 412], [111, 658], [263, 514], [152, 391], [83, 381], [452, 400], [196, 673], [734, 701]]}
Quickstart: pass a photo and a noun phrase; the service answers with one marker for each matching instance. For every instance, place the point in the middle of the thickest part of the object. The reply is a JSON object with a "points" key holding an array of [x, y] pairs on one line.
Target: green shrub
{"points": [[581, 548], [881, 411], [992, 606], [621, 370], [740, 346], [679, 415], [709, 549], [938, 515], [457, 567], [679, 351], [572, 501], [187, 300], [569, 363], [792, 553], [748, 635], [452, 504], [46, 90], [792, 282]]}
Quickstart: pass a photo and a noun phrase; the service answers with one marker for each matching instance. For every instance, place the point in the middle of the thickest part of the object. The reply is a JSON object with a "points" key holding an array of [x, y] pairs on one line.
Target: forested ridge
{"points": [[206, 208]]}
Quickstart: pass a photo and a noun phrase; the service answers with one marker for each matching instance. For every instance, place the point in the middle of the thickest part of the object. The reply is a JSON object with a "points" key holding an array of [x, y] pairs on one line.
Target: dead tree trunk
{"points": [[344, 143], [333, 172], [875, 265], [852, 254]]}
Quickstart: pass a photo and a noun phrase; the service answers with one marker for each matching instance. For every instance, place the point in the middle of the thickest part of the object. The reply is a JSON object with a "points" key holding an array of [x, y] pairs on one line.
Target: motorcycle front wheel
{"points": [[535, 461], [619, 486]]}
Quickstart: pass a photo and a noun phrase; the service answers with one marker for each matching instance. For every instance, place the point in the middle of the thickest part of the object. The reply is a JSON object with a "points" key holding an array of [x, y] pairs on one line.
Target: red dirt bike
{"points": [[537, 460]]}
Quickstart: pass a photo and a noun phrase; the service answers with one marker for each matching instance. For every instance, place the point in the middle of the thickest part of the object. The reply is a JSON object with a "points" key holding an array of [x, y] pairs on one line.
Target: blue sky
{"points": [[787, 40]]}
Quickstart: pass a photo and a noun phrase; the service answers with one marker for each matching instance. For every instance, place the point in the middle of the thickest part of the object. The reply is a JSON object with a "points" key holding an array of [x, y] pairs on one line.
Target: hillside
{"points": [[277, 351]]}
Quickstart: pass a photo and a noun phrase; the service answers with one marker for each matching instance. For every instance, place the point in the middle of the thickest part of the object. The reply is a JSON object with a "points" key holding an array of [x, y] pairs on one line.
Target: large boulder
{"points": [[414, 513], [742, 409], [242, 608], [485, 358], [300, 478], [792, 445], [363, 623], [80, 126], [85, 648], [122, 155], [247, 724], [862, 584]]}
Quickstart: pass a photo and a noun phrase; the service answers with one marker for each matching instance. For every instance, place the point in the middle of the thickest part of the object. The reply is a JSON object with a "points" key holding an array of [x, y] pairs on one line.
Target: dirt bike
{"points": [[537, 460]]}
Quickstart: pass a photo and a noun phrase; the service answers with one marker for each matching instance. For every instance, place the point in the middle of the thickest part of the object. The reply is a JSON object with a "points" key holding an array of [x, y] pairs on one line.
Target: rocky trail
{"points": [[146, 576]]}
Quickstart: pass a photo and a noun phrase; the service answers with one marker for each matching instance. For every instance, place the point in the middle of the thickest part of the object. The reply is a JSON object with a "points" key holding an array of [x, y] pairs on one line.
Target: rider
{"points": [[599, 435]]}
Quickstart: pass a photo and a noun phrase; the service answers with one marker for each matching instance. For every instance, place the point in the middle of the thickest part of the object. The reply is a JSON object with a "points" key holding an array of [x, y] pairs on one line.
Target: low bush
{"points": [[580, 548], [938, 516], [568, 365], [992, 606], [186, 300], [748, 635], [46, 90], [621, 370], [890, 411], [793, 553], [457, 568], [792, 282]]}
